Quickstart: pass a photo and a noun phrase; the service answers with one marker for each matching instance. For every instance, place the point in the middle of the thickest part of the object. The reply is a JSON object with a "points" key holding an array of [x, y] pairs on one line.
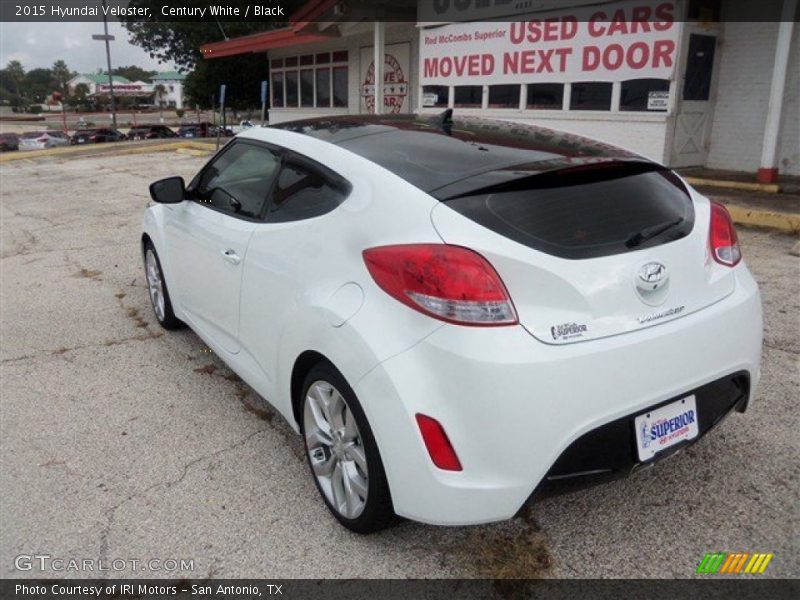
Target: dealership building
{"points": [[703, 83], [171, 83]]}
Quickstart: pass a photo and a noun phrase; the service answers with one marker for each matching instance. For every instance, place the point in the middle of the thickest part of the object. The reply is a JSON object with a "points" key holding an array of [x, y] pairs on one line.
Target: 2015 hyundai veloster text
{"points": [[459, 315]]}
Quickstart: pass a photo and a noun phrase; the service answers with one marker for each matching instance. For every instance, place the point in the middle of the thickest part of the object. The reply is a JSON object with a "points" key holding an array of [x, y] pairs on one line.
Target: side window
{"points": [[239, 181], [304, 190]]}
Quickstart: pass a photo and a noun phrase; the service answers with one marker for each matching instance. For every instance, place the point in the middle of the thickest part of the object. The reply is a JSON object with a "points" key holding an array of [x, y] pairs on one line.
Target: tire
{"points": [[157, 289], [336, 460]]}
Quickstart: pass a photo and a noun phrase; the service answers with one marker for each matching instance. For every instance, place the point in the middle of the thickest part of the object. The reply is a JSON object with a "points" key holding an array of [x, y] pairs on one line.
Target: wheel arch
{"points": [[303, 364]]}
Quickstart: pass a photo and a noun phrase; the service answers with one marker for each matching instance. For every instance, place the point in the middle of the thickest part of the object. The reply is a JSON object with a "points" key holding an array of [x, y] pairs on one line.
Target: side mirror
{"points": [[171, 190]]}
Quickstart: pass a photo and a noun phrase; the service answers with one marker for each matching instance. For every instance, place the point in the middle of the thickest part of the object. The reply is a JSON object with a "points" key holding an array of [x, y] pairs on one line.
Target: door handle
{"points": [[231, 256]]}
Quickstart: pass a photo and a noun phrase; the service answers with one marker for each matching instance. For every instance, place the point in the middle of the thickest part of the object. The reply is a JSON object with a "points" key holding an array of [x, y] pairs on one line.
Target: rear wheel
{"points": [[157, 289], [342, 453]]}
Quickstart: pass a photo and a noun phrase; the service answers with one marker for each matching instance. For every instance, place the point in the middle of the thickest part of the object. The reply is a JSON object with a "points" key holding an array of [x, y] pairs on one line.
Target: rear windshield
{"points": [[586, 212]]}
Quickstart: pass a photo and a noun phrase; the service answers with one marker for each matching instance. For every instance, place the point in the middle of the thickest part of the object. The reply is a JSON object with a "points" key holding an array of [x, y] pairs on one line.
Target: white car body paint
{"points": [[511, 398]]}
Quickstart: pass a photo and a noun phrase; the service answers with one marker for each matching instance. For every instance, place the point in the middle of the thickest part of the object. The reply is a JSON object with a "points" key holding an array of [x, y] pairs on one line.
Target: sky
{"points": [[41, 44]]}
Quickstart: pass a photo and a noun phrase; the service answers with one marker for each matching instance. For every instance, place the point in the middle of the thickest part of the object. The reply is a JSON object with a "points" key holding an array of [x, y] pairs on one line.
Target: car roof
{"points": [[450, 156]]}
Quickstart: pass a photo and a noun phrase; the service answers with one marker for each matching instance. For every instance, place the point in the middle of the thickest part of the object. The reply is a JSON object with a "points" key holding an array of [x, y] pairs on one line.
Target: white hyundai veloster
{"points": [[459, 315]]}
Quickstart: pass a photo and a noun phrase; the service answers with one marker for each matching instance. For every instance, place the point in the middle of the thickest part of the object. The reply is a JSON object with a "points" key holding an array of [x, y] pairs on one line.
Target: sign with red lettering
{"points": [[608, 42]]}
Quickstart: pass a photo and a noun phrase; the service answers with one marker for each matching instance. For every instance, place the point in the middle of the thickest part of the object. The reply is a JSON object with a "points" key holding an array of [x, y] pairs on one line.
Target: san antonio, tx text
{"points": [[218, 10], [139, 589]]}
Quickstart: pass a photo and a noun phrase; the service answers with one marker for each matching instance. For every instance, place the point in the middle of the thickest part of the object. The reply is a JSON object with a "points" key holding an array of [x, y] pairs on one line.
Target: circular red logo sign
{"points": [[395, 86]]}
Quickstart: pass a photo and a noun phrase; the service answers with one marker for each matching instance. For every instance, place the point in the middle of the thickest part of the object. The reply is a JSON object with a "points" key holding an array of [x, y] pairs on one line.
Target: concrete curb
{"points": [[772, 188], [106, 149], [788, 222]]}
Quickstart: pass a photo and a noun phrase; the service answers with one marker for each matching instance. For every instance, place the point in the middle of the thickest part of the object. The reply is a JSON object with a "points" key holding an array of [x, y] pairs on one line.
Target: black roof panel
{"points": [[433, 156]]}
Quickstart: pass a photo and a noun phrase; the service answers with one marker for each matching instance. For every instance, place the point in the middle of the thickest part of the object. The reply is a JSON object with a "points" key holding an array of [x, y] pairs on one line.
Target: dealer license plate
{"points": [[664, 427]]}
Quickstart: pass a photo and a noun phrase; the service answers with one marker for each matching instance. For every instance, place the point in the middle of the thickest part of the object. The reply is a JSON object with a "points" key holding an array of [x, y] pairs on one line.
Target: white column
{"points": [[768, 172], [379, 59], [178, 95]]}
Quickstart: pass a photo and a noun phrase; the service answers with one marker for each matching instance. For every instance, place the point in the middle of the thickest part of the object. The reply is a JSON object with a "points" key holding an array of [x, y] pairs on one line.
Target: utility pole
{"points": [[108, 38]]}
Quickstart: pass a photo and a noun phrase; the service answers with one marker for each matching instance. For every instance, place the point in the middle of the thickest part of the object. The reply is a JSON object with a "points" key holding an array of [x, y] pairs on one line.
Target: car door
{"points": [[208, 237], [290, 254]]}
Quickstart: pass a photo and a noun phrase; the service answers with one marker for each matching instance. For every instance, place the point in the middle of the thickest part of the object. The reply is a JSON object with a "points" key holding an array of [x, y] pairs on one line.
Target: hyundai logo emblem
{"points": [[653, 272]]}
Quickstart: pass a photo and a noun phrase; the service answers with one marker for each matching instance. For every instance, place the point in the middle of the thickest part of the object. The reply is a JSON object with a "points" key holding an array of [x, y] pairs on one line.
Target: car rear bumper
{"points": [[512, 406], [609, 451]]}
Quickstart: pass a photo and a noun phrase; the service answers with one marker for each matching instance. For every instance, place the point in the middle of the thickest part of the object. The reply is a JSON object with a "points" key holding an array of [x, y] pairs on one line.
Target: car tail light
{"points": [[42, 139], [450, 283], [436, 441], [722, 238]]}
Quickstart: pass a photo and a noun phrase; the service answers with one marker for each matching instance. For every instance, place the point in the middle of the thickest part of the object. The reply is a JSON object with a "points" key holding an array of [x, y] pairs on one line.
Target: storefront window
{"points": [[323, 87], [644, 94], [435, 95], [307, 87], [504, 96], [277, 90], [592, 95], [468, 96], [319, 84], [340, 86], [546, 96], [291, 88]]}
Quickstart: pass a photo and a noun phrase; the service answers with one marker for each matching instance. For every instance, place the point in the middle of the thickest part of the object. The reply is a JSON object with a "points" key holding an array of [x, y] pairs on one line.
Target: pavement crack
{"points": [[111, 512]]}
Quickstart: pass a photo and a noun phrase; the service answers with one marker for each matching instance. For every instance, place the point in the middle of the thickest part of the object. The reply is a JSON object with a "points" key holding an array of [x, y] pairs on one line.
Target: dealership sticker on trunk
{"points": [[663, 427]]}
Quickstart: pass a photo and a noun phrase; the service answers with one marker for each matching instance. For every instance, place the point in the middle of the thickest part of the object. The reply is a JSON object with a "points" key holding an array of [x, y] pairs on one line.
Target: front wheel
{"points": [[157, 289], [342, 453]]}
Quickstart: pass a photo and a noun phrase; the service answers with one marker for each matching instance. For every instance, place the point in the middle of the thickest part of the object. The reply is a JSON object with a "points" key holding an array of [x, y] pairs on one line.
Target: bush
{"points": [[35, 109], [180, 112]]}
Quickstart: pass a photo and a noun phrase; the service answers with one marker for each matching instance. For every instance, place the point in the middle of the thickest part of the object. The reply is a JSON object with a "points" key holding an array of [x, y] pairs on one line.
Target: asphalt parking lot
{"points": [[118, 440]]}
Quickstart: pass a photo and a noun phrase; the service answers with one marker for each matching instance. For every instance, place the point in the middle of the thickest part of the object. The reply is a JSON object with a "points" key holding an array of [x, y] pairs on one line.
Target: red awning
{"points": [[260, 42], [301, 31]]}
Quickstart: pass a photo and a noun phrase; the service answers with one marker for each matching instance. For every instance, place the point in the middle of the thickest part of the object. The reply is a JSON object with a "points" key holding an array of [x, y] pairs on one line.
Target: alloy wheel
{"points": [[155, 285], [335, 449]]}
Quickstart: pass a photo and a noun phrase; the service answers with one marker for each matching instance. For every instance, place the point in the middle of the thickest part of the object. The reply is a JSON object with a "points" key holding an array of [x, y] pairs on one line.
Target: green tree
{"points": [[180, 42], [79, 99], [134, 73], [242, 76], [60, 75], [37, 85], [12, 80], [13, 77]]}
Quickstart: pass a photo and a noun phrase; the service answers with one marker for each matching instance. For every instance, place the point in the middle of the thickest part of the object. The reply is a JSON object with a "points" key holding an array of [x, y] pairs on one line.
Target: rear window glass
{"points": [[587, 212]]}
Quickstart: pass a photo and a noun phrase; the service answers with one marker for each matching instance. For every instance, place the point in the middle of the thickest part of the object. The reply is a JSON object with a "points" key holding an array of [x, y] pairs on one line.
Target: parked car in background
{"points": [[9, 141], [96, 136], [39, 140], [150, 132], [203, 129]]}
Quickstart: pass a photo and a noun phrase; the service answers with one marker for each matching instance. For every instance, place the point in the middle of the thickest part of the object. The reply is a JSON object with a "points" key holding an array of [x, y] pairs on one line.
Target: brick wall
{"points": [[747, 51]]}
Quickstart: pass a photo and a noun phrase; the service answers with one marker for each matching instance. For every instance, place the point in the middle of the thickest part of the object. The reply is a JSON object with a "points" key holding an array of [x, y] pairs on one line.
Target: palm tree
{"points": [[160, 92]]}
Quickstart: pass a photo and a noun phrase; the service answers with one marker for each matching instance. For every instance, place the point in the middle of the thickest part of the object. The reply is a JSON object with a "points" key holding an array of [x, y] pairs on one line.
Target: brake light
{"points": [[436, 441], [41, 139], [723, 241], [449, 283]]}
